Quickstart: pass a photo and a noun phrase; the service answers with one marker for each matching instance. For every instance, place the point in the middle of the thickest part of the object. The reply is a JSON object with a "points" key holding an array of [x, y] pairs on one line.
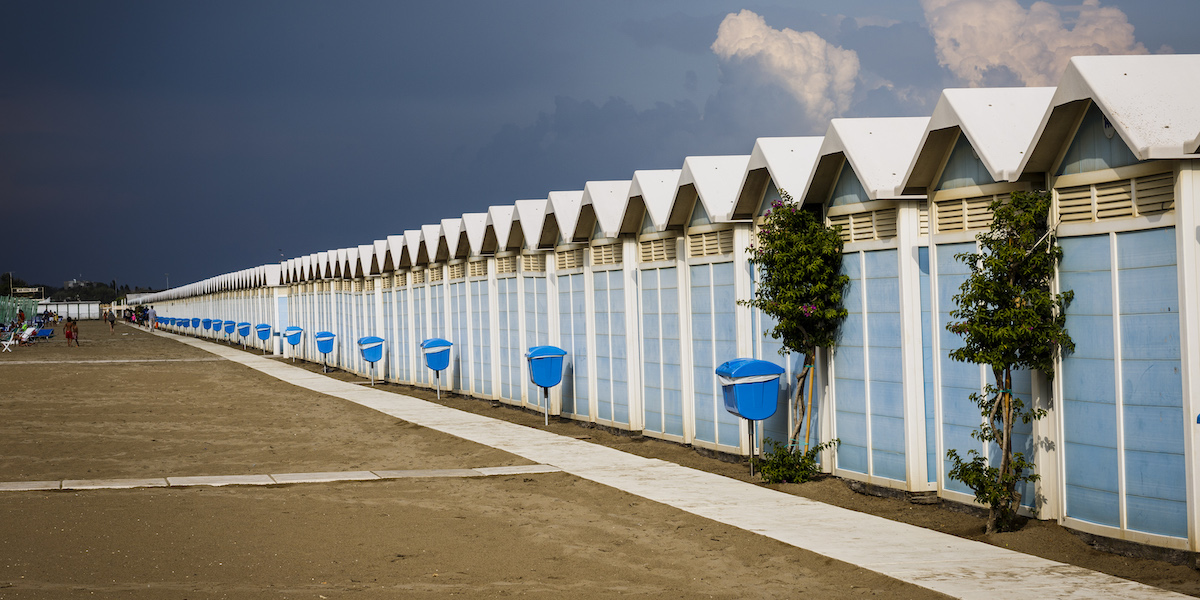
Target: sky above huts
{"points": [[141, 139]]}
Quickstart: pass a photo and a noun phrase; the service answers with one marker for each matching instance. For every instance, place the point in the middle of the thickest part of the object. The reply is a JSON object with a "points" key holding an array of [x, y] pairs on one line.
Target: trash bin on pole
{"points": [[230, 326], [195, 323], [324, 341], [243, 330], [216, 327], [545, 371], [437, 357], [292, 334], [207, 323], [751, 390], [371, 348], [264, 333]]}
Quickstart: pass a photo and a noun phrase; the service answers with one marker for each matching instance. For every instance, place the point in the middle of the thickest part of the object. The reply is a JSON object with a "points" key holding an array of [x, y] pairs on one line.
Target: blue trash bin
{"points": [[545, 371], [324, 341], [207, 323], [230, 326], [243, 329], [437, 357], [751, 391], [371, 348], [195, 323], [292, 334], [264, 333]]}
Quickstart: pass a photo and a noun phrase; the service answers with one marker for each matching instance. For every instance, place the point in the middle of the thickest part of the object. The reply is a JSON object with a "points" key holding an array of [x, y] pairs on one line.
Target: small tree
{"points": [[800, 284], [1009, 320]]}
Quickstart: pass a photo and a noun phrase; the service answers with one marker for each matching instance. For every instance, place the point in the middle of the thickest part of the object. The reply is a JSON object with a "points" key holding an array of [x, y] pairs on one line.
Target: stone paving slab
{"points": [[220, 480], [29, 486], [941, 562], [428, 473], [113, 484], [518, 470], [323, 477]]}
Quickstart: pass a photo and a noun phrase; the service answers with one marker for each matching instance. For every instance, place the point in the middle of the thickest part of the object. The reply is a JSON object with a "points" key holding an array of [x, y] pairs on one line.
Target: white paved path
{"points": [[937, 561]]}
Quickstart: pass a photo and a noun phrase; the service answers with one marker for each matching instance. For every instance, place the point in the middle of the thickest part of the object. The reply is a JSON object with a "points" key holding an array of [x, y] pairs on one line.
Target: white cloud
{"points": [[979, 38], [819, 75]]}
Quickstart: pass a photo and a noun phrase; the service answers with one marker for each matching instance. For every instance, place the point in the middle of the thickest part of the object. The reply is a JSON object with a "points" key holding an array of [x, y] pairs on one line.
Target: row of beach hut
{"points": [[639, 281]]}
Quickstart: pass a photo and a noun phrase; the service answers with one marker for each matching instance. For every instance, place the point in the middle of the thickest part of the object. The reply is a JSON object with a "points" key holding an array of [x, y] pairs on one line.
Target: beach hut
{"points": [[481, 285], [498, 239], [777, 164], [877, 377], [651, 194], [403, 345], [572, 299], [968, 158], [1116, 147], [539, 312]]}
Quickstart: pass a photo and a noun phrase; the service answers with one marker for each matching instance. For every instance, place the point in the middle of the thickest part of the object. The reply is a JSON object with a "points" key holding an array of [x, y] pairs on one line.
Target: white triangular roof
{"points": [[1153, 102], [608, 200], [879, 150], [452, 230], [366, 254], [475, 225], [431, 238], [565, 207], [657, 189], [531, 214], [500, 220], [397, 247], [412, 238], [788, 162], [717, 180], [380, 254]]}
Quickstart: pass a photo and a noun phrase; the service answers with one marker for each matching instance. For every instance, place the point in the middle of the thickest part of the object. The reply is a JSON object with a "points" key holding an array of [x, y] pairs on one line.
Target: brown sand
{"points": [[548, 536]]}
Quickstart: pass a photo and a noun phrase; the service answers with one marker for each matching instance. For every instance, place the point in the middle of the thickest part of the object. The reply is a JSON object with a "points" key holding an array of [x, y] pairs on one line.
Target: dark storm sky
{"points": [[194, 138]]}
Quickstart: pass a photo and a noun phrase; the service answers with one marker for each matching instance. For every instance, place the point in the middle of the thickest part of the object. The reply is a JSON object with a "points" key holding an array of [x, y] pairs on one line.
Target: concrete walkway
{"points": [[944, 563]]}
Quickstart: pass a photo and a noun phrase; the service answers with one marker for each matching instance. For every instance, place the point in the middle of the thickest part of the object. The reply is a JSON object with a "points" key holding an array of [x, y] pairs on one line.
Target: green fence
{"points": [[10, 307]]}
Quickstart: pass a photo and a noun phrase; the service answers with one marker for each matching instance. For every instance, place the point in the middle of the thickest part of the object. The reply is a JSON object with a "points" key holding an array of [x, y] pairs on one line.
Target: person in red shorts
{"points": [[71, 332]]}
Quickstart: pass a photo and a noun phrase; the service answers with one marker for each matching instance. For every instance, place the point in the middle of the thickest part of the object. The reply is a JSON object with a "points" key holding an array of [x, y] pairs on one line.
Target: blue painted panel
{"points": [[848, 190], [959, 375], [886, 364], [1154, 337], [883, 330], [852, 458], [852, 428], [851, 394], [1092, 335], [888, 464], [851, 332], [964, 168], [887, 399], [927, 365], [1148, 290], [1153, 515], [1148, 248], [1094, 148], [1093, 292], [1087, 253], [1091, 466], [881, 264], [1096, 506], [1152, 383], [1092, 423], [887, 434]]}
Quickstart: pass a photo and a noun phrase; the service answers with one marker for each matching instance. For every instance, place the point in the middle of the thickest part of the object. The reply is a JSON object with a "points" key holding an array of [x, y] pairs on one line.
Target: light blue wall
{"points": [[714, 341], [481, 338], [537, 324], [661, 351], [1093, 150], [386, 367], [509, 338], [1148, 364], [612, 365], [928, 395], [964, 168], [460, 319], [572, 336], [403, 346], [849, 189], [422, 332], [871, 332]]}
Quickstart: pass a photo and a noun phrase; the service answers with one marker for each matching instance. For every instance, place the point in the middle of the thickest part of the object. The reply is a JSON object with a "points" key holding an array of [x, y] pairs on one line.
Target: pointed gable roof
{"points": [[998, 122], [786, 161], [398, 250], [531, 214], [879, 151], [650, 192], [452, 232], [564, 206], [604, 202], [416, 247], [499, 226], [475, 225], [1153, 102], [366, 256], [712, 180], [431, 240]]}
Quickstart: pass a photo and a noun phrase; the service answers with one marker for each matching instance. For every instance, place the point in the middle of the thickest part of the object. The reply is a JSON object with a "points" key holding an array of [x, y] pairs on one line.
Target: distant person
{"points": [[111, 317], [20, 316], [71, 332], [152, 318]]}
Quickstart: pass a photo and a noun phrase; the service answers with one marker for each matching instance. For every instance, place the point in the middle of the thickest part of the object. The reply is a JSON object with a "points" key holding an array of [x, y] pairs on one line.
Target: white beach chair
{"points": [[10, 342]]}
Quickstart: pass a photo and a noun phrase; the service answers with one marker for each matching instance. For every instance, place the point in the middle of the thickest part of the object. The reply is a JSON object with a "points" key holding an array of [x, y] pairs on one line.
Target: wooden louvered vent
{"points": [[865, 226], [369, 285], [458, 271], [400, 279], [656, 250], [478, 268], [569, 259], [506, 264], [1136, 197], [923, 215], [436, 274], [419, 276], [965, 214], [710, 243], [608, 254], [535, 263]]}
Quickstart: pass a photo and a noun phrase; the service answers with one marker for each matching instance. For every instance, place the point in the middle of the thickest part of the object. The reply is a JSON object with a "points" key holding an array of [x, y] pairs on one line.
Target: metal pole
{"points": [[546, 404], [751, 423], [438, 383]]}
